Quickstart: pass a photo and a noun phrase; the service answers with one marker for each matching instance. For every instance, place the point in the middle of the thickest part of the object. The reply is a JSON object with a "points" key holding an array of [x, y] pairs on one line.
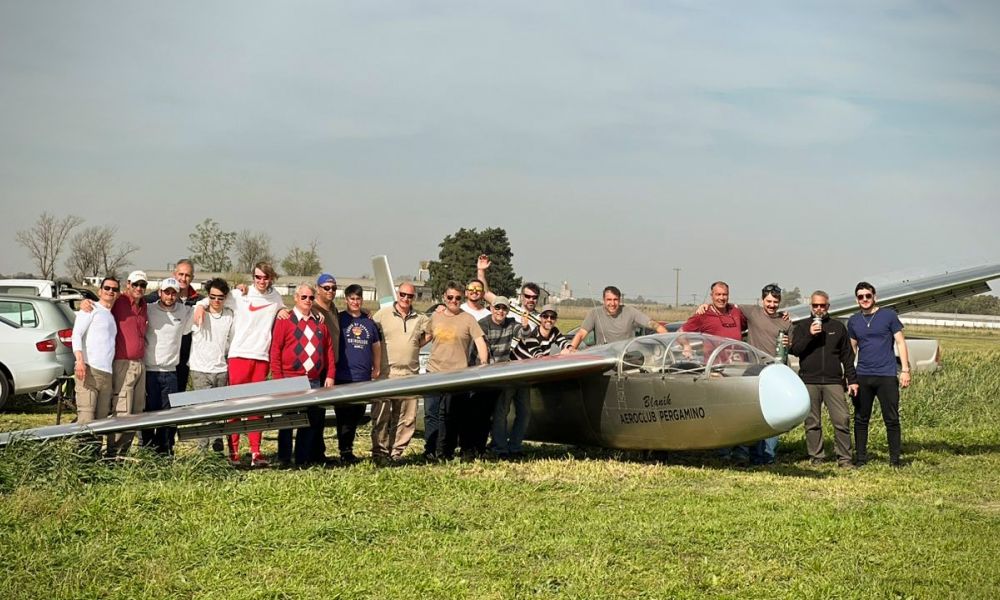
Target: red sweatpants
{"points": [[246, 370]]}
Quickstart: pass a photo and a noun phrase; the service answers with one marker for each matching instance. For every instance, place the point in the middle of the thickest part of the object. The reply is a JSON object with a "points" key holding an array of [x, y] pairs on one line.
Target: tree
{"points": [[45, 240], [791, 297], [93, 253], [302, 261], [252, 247], [210, 246], [457, 260]]}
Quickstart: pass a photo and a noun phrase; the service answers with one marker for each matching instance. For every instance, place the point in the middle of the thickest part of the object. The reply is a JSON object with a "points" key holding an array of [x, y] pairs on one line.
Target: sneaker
{"points": [[845, 464], [348, 458], [234, 459], [258, 461]]}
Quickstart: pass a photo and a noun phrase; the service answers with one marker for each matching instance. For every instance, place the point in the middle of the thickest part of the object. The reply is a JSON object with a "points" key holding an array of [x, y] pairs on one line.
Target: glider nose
{"points": [[784, 400]]}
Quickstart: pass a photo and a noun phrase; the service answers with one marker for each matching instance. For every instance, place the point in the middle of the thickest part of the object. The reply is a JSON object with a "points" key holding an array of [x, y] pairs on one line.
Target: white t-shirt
{"points": [[210, 342], [163, 336], [94, 335]]}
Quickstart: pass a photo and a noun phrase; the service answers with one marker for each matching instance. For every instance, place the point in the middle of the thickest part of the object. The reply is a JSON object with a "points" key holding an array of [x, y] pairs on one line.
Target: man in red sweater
{"points": [[301, 346]]}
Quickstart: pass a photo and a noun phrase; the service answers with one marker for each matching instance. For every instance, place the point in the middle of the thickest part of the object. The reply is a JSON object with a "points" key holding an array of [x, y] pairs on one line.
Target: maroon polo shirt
{"points": [[130, 342]]}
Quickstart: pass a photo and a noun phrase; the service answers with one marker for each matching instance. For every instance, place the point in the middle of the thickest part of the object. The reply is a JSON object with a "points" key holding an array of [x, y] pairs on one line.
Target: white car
{"points": [[35, 344]]}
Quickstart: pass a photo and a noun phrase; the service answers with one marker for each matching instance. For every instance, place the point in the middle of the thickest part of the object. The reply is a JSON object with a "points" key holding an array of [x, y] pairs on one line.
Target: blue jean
{"points": [[159, 385], [507, 439], [764, 452]]}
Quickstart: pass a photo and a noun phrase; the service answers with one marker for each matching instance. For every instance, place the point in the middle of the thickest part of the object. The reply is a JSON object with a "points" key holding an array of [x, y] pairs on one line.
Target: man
{"points": [[873, 332], [210, 345], [183, 273], [359, 359], [454, 331], [169, 320], [326, 291], [613, 322], [403, 331], [540, 341], [498, 330], [250, 350], [826, 359], [128, 372], [524, 311], [301, 346], [94, 347], [475, 302]]}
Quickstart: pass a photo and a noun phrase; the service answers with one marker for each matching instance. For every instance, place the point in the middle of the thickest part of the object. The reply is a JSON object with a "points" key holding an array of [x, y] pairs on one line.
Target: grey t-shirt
{"points": [[762, 329], [615, 328]]}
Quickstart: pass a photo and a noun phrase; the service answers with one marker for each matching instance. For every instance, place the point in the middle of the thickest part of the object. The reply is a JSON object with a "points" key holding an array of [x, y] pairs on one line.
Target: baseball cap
{"points": [[326, 278], [137, 276], [501, 300], [549, 308], [170, 284]]}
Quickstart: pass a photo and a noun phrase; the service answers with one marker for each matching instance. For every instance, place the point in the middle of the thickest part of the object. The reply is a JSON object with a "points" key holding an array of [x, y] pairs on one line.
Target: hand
{"points": [[784, 339], [283, 314], [852, 389], [242, 287], [815, 328], [525, 321], [80, 370], [376, 371], [686, 352], [440, 309], [328, 383], [785, 317], [319, 316], [567, 350], [87, 305], [904, 379], [702, 309], [199, 315], [483, 262]]}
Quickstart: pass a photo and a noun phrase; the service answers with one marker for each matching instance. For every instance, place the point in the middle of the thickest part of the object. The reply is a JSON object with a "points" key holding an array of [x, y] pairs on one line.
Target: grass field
{"points": [[565, 523]]}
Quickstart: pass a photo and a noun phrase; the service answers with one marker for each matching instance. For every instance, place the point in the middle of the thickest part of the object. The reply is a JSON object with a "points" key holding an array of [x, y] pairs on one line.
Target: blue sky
{"points": [[808, 143]]}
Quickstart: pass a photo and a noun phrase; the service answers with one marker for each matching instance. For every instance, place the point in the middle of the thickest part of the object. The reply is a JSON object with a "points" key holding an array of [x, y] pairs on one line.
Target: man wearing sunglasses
{"points": [[826, 361], [210, 345], [301, 345], [128, 372], [475, 300], [873, 332], [326, 291], [499, 329], [522, 309], [404, 332], [94, 347], [358, 359], [454, 332]]}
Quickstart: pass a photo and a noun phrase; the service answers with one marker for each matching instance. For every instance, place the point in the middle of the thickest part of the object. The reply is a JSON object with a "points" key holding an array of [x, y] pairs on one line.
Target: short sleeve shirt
{"points": [[874, 334], [729, 324], [762, 328], [355, 358], [613, 328], [453, 334]]}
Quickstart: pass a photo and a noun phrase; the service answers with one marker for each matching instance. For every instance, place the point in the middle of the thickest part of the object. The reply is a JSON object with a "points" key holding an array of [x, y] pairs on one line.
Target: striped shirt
{"points": [[533, 344], [499, 339]]}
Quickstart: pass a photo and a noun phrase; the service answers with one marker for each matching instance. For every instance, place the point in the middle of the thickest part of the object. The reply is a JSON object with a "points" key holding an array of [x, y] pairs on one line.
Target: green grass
{"points": [[566, 523]]}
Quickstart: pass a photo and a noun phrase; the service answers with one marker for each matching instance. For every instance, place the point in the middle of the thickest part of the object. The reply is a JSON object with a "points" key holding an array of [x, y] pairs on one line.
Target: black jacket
{"points": [[824, 358]]}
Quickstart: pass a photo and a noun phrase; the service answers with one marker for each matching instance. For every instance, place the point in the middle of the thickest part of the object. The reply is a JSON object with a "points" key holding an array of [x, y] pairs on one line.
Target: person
{"points": [[543, 340], [873, 332], [613, 322], [499, 329], [359, 359], [210, 342], [326, 291], [301, 345], [404, 331], [475, 302], [826, 359], [524, 309], [169, 321], [184, 274], [128, 371], [453, 331], [249, 352], [764, 323], [94, 348]]}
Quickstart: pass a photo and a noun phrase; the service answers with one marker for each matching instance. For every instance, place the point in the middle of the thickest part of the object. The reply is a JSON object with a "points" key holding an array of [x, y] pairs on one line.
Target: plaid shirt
{"points": [[499, 339]]}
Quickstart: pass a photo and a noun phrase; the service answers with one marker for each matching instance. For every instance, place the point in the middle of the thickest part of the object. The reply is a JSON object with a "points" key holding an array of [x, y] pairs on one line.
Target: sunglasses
{"points": [[407, 296], [216, 297], [820, 305], [261, 277], [865, 296], [474, 289], [500, 307], [140, 284], [109, 288], [452, 297], [530, 296], [329, 288], [549, 316], [306, 297]]}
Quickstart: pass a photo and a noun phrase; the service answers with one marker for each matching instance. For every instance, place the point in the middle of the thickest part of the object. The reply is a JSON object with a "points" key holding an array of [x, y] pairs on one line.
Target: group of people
{"points": [[826, 349], [133, 350]]}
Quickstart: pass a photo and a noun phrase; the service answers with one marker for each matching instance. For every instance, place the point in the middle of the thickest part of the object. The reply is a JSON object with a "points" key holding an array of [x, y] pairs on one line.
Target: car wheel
{"points": [[4, 389]]}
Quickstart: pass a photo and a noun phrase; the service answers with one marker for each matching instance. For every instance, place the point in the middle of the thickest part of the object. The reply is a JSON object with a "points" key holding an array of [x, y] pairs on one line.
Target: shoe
{"points": [[258, 461], [234, 459], [348, 458], [845, 464], [895, 464], [816, 461]]}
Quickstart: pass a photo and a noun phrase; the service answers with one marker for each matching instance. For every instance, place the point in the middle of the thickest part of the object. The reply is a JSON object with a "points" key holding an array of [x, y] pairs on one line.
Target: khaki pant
{"points": [[394, 421], [128, 386], [836, 404], [93, 396]]}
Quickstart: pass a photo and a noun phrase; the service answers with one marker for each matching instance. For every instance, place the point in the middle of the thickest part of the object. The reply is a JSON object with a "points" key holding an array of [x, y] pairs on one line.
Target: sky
{"points": [[811, 144]]}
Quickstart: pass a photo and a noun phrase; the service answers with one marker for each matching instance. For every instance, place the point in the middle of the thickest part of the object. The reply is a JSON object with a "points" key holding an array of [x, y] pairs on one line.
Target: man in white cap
{"points": [[169, 320], [128, 373]]}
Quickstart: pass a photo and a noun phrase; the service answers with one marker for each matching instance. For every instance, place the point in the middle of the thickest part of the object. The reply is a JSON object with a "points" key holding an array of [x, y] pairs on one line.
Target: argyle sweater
{"points": [[301, 347]]}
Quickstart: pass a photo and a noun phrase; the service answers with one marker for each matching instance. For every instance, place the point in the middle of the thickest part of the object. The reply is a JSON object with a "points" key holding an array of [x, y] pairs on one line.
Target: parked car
{"points": [[35, 344]]}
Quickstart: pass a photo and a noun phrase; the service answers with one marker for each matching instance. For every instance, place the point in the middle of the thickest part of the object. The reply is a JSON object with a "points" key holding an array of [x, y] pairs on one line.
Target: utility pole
{"points": [[677, 288]]}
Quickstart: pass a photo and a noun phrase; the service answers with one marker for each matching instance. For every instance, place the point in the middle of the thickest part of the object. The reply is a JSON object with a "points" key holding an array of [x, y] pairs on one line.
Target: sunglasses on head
{"points": [[407, 296], [452, 297], [772, 288], [306, 297], [820, 305], [865, 296], [110, 288]]}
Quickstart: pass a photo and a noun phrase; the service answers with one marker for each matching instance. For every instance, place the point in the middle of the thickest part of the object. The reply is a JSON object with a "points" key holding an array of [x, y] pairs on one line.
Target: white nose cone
{"points": [[784, 400]]}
